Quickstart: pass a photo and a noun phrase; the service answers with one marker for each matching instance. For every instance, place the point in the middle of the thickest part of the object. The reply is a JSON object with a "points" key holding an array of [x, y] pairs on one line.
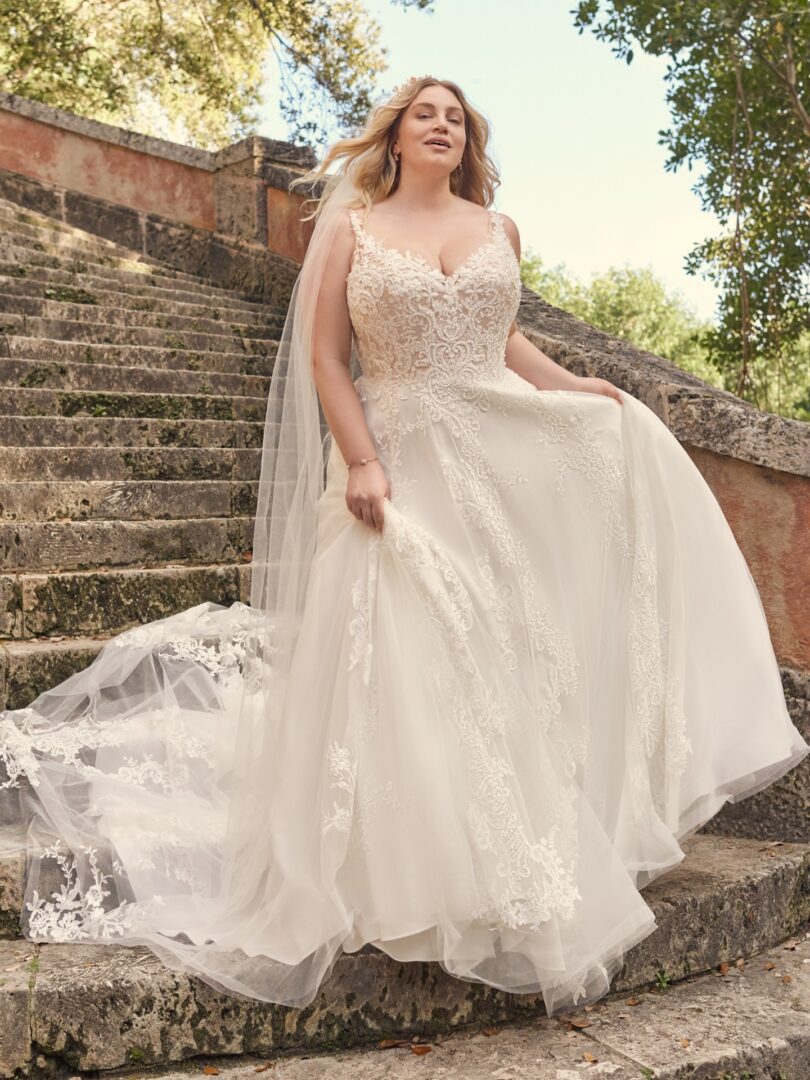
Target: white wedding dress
{"points": [[504, 710]]}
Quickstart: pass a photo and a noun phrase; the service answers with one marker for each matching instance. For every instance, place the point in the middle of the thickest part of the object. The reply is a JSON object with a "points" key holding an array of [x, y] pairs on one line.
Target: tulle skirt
{"points": [[502, 714]]}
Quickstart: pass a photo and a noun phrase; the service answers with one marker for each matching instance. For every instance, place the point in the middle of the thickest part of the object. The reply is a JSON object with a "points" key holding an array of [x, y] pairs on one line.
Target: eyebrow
{"points": [[430, 105]]}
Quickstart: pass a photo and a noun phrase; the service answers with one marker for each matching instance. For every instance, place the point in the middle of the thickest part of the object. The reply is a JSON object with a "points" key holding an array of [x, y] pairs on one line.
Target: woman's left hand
{"points": [[592, 385]]}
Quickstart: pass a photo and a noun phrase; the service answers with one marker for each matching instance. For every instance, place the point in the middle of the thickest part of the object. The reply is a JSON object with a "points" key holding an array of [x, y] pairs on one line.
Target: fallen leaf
{"points": [[787, 978], [490, 1031], [589, 1057], [769, 966], [580, 1022], [741, 963], [263, 1068], [211, 1070], [421, 1049], [386, 1044], [723, 968], [791, 944], [685, 1042], [634, 1001]]}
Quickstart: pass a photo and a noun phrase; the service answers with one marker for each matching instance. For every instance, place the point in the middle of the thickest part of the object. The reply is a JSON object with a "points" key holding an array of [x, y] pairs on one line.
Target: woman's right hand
{"points": [[366, 490]]}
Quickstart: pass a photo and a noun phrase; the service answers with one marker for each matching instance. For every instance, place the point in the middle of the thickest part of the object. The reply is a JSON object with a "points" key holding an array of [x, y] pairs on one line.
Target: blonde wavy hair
{"points": [[370, 159]]}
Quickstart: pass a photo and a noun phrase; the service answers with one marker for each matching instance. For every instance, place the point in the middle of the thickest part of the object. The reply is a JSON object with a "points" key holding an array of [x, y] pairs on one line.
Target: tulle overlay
{"points": [[503, 711]]}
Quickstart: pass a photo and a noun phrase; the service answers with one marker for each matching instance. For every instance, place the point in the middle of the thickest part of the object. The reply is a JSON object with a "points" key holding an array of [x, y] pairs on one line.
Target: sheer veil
{"points": [[140, 791]]}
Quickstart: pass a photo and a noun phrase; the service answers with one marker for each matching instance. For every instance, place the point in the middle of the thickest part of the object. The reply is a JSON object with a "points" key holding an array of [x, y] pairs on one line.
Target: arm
{"points": [[332, 345], [532, 364]]}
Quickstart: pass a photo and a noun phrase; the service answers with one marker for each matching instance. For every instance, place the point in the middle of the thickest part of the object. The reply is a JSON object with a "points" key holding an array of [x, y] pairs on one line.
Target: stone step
{"points": [[49, 351], [144, 288], [23, 241], [126, 500], [28, 667], [749, 1023], [31, 374], [17, 261], [47, 230], [57, 432], [84, 545], [94, 603], [31, 297], [246, 338], [207, 406], [70, 301], [119, 463], [203, 321], [725, 903]]}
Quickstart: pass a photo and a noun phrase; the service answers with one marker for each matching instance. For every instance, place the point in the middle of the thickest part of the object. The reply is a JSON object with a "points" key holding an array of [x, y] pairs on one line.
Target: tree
{"points": [[737, 89], [630, 304], [192, 69]]}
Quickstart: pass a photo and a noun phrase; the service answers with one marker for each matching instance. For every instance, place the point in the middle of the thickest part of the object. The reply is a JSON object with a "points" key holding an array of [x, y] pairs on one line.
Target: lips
{"points": [[438, 142]]}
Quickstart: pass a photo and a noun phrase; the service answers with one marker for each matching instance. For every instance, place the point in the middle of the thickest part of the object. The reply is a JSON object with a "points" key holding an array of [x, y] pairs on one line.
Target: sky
{"points": [[574, 133]]}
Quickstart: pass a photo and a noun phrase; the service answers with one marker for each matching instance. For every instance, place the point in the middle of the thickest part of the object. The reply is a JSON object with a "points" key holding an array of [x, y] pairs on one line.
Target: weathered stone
{"points": [[102, 1006], [124, 500], [109, 431], [81, 545], [141, 356], [100, 378], [101, 602], [117, 463], [79, 303], [33, 666], [233, 337]]}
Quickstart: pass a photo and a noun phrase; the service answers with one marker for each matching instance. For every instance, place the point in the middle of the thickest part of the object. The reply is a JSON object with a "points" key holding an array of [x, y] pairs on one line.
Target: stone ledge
{"points": [[107, 1006], [746, 1025], [695, 412]]}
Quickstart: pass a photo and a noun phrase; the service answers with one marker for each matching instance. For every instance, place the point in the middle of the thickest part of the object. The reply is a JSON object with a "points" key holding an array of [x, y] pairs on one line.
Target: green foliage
{"points": [[193, 71], [629, 304], [737, 88]]}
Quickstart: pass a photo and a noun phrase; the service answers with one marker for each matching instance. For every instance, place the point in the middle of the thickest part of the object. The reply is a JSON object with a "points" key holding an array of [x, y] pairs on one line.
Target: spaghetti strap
{"points": [[358, 226]]}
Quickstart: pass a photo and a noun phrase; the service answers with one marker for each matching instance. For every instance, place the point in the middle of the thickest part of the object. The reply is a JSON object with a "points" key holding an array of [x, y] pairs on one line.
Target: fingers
{"points": [[370, 512]]}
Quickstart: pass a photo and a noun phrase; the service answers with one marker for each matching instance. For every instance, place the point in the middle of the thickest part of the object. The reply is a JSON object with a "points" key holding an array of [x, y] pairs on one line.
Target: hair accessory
{"points": [[408, 82]]}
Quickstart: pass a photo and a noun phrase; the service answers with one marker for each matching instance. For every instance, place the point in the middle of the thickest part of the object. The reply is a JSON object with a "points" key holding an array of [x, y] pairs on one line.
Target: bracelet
{"points": [[364, 461]]}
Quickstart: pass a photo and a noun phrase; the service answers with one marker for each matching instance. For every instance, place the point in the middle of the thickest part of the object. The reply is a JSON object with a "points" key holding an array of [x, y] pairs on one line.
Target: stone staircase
{"points": [[132, 402]]}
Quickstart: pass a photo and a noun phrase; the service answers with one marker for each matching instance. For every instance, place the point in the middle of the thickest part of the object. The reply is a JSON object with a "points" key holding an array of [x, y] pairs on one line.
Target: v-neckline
{"points": [[417, 256]]}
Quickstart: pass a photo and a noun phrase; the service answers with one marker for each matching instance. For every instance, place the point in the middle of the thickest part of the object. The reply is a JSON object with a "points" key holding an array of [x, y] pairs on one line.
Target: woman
{"points": [[495, 667]]}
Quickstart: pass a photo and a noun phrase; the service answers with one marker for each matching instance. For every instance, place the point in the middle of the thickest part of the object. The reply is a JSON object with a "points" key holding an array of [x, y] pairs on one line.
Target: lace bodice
{"points": [[412, 320]]}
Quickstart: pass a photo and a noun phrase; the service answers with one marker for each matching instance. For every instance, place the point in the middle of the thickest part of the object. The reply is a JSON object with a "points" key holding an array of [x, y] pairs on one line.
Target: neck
{"points": [[422, 192]]}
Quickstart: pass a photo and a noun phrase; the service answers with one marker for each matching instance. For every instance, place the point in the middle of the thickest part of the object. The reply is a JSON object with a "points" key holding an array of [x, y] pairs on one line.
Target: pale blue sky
{"points": [[574, 133]]}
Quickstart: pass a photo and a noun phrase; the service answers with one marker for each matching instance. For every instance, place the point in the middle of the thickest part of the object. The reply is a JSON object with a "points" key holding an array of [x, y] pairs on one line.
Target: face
{"points": [[434, 114]]}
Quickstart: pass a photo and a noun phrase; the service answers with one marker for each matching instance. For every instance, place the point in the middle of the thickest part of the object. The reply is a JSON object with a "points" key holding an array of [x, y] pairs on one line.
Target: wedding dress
{"points": [[503, 712]]}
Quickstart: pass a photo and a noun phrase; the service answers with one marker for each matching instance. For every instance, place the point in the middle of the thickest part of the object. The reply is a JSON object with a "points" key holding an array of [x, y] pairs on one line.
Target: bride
{"points": [[503, 652]]}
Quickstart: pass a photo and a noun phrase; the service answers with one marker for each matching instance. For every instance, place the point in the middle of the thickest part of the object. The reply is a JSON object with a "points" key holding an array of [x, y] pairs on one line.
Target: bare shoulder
{"points": [[511, 230]]}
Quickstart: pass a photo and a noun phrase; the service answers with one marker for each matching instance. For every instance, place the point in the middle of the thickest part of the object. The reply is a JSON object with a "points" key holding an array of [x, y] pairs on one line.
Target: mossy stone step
{"points": [[54, 432], [203, 321], [727, 900], [125, 500], [92, 603], [18, 261], [39, 278], [28, 667], [246, 338], [85, 246], [86, 545], [128, 463], [206, 406], [152, 357], [41, 298], [101, 378]]}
